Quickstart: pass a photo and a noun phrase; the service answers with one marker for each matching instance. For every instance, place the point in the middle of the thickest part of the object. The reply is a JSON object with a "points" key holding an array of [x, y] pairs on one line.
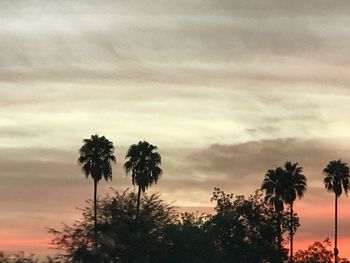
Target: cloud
{"points": [[218, 86], [240, 168], [166, 42]]}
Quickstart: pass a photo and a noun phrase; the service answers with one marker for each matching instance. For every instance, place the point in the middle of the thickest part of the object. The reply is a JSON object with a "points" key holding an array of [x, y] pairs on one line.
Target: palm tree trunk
{"points": [[138, 203], [95, 214], [279, 235], [291, 232], [336, 231]]}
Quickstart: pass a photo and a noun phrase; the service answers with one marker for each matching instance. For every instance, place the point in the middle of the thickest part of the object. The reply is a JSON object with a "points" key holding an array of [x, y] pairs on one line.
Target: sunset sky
{"points": [[226, 90]]}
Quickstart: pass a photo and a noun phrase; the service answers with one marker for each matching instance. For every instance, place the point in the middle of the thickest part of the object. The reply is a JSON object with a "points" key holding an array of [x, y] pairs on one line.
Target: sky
{"points": [[226, 90]]}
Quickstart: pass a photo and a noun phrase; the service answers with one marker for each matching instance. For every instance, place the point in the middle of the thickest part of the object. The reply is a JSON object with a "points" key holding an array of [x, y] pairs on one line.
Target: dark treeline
{"points": [[136, 227], [241, 230]]}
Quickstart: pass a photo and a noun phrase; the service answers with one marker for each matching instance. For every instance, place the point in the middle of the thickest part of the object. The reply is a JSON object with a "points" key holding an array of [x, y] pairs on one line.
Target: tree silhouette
{"points": [[336, 180], [120, 240], [317, 252], [295, 187], [189, 240], [143, 163], [244, 229], [274, 187], [95, 159]]}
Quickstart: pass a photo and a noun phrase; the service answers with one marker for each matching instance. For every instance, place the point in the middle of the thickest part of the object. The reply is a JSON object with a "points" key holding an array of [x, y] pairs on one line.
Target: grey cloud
{"points": [[12, 132], [178, 7], [240, 168], [258, 156], [262, 129], [156, 42], [43, 180]]}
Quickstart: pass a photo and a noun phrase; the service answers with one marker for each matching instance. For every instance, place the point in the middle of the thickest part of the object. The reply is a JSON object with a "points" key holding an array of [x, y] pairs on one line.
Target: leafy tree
{"points": [[244, 229], [189, 241], [122, 239], [295, 187], [143, 163], [316, 253], [95, 159], [336, 180]]}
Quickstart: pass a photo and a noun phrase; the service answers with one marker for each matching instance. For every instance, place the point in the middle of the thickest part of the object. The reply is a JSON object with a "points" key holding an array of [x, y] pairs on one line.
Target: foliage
{"points": [[245, 228], [19, 257], [295, 185], [96, 156], [143, 163], [337, 177], [189, 241], [242, 230], [274, 187], [316, 253], [121, 238]]}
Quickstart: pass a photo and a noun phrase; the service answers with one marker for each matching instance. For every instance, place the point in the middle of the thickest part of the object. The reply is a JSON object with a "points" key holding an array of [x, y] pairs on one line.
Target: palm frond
{"points": [[96, 155], [337, 177], [143, 164]]}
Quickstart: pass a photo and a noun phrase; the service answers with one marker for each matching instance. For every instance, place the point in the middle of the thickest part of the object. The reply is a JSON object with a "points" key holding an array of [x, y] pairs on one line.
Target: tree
{"points": [[143, 163], [336, 180], [317, 252], [122, 239], [295, 187], [190, 241], [274, 187], [96, 156], [244, 229]]}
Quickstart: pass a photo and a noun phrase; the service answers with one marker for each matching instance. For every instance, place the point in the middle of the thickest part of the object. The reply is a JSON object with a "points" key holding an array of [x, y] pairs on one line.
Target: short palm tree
{"points": [[273, 185], [143, 163], [295, 186], [96, 156], [336, 180]]}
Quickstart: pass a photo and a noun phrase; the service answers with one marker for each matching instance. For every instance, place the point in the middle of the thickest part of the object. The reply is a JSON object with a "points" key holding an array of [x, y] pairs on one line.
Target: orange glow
{"points": [[42, 242]]}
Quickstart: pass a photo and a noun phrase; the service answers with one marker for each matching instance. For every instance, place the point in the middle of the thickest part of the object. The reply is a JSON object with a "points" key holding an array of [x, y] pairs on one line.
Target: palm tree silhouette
{"points": [[143, 163], [336, 180], [273, 185], [95, 159], [295, 187]]}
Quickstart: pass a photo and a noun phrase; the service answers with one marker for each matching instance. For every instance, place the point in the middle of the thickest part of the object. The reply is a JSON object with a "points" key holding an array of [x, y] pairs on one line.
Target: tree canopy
{"points": [[242, 229]]}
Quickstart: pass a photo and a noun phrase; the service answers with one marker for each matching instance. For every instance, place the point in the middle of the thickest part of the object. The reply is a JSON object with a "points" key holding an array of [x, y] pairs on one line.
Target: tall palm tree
{"points": [[336, 180], [273, 185], [295, 187], [96, 156], [143, 163]]}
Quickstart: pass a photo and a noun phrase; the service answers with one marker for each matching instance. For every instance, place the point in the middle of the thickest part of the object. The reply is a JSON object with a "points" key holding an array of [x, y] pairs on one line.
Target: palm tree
{"points": [[273, 185], [143, 163], [295, 187], [95, 159], [336, 180]]}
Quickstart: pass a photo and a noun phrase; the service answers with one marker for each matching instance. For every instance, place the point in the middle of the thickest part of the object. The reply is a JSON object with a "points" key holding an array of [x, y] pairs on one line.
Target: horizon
{"points": [[225, 90]]}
